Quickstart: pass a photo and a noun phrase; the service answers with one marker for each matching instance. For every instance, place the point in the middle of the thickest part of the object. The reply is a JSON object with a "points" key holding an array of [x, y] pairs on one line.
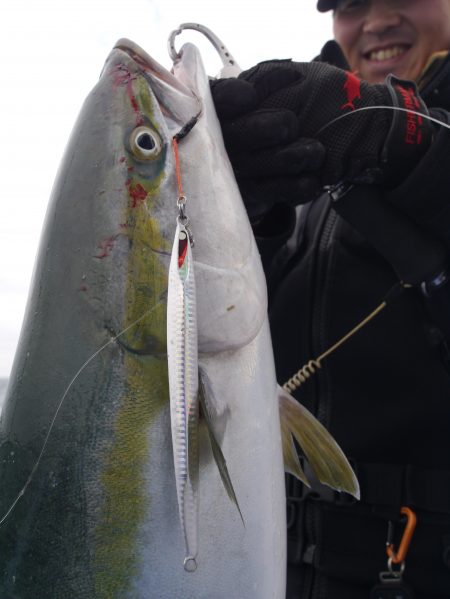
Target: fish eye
{"points": [[145, 143]]}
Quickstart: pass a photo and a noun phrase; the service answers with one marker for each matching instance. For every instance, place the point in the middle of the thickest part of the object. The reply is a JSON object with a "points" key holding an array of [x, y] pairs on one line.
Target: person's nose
{"points": [[380, 18]]}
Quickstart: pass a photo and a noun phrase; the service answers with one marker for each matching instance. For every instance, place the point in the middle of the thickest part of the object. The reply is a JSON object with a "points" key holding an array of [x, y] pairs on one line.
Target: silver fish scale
{"points": [[183, 385]]}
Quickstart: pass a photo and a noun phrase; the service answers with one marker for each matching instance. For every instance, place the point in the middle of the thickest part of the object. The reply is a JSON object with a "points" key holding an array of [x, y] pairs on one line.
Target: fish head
{"points": [[111, 217], [231, 288]]}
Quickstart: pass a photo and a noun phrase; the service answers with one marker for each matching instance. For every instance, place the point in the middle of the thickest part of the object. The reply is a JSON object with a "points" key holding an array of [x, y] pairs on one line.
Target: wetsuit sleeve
{"points": [[424, 197], [425, 194], [410, 224]]}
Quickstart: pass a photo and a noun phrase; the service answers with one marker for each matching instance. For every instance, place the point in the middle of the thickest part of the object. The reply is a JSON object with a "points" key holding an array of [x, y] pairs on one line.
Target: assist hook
{"points": [[230, 66]]}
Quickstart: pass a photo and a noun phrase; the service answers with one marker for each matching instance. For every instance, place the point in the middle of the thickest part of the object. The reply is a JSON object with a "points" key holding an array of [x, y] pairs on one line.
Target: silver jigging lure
{"points": [[183, 385], [182, 342], [182, 352]]}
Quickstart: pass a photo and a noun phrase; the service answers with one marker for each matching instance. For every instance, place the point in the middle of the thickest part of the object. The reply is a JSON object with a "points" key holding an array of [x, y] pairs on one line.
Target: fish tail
{"points": [[325, 457]]}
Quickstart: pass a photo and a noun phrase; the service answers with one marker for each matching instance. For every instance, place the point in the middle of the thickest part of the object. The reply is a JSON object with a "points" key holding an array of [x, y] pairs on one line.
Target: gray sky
{"points": [[52, 54]]}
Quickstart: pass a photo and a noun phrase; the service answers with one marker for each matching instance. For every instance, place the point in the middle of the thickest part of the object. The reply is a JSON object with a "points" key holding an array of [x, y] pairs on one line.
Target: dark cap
{"points": [[324, 5]]}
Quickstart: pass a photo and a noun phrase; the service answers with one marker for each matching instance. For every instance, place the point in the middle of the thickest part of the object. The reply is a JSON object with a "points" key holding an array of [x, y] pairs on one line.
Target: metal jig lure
{"points": [[182, 356]]}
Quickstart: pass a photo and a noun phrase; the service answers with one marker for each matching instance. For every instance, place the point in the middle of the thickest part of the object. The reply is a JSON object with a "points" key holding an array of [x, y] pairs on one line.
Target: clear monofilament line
{"points": [[52, 423], [395, 108]]}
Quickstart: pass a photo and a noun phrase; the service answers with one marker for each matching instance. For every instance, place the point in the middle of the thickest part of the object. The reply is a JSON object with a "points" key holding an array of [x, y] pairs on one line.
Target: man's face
{"points": [[379, 37]]}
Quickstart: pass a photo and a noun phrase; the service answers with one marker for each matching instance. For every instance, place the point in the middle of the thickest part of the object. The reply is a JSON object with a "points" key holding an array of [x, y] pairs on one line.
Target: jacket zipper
{"points": [[322, 264]]}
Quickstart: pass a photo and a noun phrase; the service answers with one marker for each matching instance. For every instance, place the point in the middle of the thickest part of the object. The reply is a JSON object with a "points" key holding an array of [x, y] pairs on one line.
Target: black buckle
{"points": [[339, 190]]}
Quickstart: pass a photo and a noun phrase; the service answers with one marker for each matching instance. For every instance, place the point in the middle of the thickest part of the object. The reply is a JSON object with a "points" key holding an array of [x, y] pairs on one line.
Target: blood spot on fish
{"points": [[122, 159], [134, 103], [122, 75], [84, 288], [137, 193], [106, 247]]}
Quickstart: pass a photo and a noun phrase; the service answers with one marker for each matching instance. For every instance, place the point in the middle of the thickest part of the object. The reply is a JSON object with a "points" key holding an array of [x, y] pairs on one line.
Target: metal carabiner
{"points": [[397, 557]]}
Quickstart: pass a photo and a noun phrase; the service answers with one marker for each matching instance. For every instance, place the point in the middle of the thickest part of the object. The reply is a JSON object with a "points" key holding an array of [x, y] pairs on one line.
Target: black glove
{"points": [[280, 103], [273, 164]]}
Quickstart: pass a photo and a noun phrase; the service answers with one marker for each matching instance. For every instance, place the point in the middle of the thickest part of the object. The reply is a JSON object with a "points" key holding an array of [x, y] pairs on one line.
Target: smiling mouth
{"points": [[385, 54]]}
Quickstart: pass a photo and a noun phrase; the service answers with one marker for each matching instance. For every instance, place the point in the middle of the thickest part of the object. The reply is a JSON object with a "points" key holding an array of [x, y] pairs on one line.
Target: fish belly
{"points": [[235, 559]]}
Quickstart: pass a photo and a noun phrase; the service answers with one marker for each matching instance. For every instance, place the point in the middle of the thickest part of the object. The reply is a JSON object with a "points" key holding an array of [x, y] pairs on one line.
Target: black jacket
{"points": [[384, 395]]}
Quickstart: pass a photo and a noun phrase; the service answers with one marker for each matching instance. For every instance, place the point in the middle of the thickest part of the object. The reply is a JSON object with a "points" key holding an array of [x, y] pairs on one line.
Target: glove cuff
{"points": [[410, 135]]}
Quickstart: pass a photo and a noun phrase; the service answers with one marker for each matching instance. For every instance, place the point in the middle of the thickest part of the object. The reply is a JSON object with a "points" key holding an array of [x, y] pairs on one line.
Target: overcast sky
{"points": [[52, 53]]}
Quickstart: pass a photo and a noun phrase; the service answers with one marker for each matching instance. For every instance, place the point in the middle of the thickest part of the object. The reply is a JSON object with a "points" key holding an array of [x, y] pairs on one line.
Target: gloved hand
{"points": [[273, 163], [274, 115]]}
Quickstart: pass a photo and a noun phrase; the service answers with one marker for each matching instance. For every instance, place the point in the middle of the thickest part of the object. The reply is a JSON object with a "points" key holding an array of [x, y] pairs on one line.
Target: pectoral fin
{"points": [[324, 455], [219, 458]]}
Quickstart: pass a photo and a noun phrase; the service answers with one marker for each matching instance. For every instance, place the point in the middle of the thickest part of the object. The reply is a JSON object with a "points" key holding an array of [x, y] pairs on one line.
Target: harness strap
{"points": [[341, 539]]}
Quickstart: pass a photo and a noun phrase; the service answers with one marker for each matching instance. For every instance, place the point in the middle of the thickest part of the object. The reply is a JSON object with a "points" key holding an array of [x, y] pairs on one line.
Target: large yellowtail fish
{"points": [[89, 507]]}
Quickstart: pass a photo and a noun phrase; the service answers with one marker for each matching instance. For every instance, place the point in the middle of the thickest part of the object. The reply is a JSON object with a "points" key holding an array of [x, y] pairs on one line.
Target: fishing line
{"points": [[421, 114], [176, 138], [307, 371], [80, 370], [311, 367], [180, 135]]}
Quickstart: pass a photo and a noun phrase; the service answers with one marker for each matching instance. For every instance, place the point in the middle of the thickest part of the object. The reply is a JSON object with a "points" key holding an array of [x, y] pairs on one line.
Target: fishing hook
{"points": [[228, 60]]}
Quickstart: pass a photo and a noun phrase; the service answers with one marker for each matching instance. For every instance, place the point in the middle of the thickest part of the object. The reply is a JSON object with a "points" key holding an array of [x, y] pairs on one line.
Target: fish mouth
{"points": [[148, 64], [175, 99]]}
